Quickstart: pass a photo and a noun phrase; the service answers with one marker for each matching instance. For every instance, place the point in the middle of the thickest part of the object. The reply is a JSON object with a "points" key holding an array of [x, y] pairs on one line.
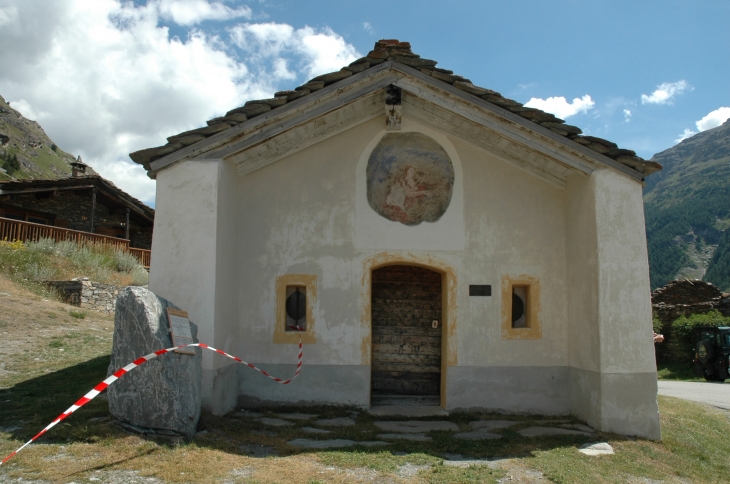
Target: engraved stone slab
{"points": [[410, 178]]}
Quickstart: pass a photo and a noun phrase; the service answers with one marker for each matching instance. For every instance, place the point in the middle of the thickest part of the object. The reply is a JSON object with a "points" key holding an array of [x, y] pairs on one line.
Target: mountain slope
{"points": [[26, 151], [687, 208]]}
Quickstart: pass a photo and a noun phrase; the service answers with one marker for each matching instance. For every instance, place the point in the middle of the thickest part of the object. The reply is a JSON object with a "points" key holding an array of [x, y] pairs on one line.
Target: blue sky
{"points": [[106, 77]]}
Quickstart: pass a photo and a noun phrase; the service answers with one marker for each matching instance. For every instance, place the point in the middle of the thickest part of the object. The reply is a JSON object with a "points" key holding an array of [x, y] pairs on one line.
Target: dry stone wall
{"points": [[87, 294], [684, 298]]}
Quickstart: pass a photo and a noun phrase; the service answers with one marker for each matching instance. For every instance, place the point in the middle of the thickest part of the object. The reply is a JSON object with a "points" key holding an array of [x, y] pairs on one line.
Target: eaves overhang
{"points": [[260, 130]]}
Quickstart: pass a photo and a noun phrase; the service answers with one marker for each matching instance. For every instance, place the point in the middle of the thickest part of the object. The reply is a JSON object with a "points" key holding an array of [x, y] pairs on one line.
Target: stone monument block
{"points": [[161, 394]]}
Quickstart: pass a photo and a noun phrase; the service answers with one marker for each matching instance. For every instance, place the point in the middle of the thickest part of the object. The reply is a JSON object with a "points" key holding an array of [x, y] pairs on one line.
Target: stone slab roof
{"points": [[79, 182], [396, 51]]}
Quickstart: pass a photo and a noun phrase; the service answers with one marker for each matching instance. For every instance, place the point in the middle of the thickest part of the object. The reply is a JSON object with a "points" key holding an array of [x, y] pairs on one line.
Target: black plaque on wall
{"points": [[480, 290]]}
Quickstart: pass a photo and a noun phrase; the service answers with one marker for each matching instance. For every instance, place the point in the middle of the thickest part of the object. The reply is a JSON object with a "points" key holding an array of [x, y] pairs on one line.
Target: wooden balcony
{"points": [[12, 230]]}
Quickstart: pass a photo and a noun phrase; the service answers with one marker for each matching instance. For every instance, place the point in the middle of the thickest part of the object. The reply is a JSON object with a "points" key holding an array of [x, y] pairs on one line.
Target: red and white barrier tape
{"points": [[122, 371]]}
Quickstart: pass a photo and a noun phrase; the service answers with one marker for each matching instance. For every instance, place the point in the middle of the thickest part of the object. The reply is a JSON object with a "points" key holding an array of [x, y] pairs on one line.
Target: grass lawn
{"points": [[677, 371], [38, 381]]}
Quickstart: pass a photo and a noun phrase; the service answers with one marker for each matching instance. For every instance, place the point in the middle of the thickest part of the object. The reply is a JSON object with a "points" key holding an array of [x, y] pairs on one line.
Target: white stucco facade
{"points": [[222, 239]]}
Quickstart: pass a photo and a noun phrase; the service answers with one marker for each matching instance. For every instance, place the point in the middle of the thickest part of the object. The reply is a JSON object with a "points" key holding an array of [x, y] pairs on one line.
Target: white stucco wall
{"points": [[194, 261], [302, 215], [613, 371]]}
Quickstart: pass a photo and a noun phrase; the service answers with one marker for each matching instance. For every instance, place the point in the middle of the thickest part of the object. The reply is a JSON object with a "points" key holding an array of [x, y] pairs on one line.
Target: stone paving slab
{"points": [[581, 427], [412, 411], [372, 443], [335, 422], [244, 413], [321, 444], [596, 448], [296, 416], [477, 435], [312, 430], [542, 431], [457, 460], [469, 463], [414, 437], [274, 422], [492, 424], [411, 470], [416, 426], [333, 443]]}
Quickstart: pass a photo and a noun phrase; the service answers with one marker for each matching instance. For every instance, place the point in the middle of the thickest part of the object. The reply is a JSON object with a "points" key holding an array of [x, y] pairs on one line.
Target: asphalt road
{"points": [[715, 394]]}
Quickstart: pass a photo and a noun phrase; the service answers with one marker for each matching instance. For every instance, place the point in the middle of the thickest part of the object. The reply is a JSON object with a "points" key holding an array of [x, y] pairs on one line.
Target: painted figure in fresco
{"points": [[410, 178], [404, 189]]}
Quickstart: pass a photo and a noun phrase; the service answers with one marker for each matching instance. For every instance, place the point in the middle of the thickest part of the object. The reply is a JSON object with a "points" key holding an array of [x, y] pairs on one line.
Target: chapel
{"points": [[431, 241]]}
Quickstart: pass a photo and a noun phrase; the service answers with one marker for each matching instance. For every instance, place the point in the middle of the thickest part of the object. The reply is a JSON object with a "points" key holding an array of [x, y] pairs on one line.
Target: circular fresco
{"points": [[410, 178]]}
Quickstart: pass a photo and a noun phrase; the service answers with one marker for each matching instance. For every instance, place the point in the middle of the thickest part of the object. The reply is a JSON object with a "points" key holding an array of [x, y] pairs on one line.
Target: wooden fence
{"points": [[11, 230]]}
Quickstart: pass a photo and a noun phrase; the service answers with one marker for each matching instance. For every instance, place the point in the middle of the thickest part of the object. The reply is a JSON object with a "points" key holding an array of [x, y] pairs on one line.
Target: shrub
{"points": [[125, 261], [42, 260], [683, 329], [140, 276], [11, 163]]}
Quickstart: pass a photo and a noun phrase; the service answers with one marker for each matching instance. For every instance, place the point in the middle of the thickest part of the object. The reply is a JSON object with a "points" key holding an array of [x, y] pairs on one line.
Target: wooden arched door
{"points": [[406, 335]]}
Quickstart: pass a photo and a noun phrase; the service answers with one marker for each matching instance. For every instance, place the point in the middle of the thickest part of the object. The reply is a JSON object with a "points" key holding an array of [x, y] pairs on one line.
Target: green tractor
{"points": [[712, 353]]}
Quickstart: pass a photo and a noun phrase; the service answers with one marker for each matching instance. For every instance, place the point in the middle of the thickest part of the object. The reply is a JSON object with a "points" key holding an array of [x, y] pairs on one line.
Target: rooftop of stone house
{"points": [[400, 52], [77, 182]]}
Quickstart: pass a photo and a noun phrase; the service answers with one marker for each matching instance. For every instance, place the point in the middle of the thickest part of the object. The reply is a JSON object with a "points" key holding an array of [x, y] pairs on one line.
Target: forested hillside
{"points": [[688, 210]]}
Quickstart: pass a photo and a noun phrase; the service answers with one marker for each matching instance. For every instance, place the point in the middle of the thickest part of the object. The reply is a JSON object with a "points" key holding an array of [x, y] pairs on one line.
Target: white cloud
{"points": [[714, 119], [687, 133], [191, 12], [318, 52], [627, 115], [665, 92], [105, 78], [367, 27], [8, 15], [560, 107], [24, 108]]}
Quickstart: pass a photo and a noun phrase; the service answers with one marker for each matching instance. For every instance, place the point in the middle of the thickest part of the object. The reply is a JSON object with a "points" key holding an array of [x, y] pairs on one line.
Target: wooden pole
{"points": [[126, 226], [93, 208]]}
